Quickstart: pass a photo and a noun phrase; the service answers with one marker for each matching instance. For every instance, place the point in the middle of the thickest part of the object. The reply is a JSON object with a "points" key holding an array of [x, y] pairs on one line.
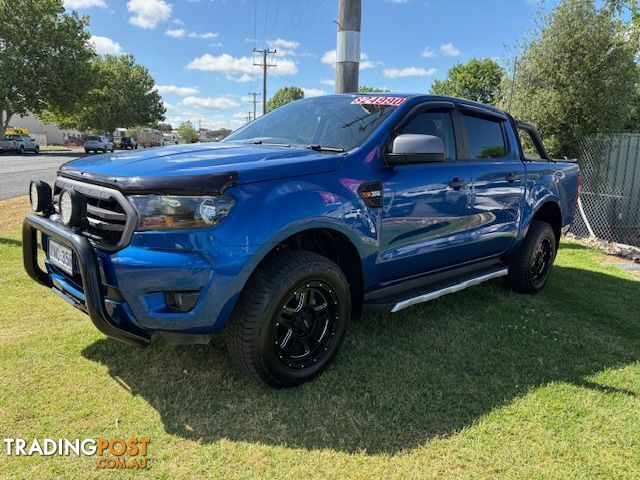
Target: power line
{"points": [[264, 30], [265, 52]]}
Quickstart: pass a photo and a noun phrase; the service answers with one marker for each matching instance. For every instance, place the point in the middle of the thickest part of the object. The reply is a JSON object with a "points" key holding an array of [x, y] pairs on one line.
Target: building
{"points": [[46, 133]]}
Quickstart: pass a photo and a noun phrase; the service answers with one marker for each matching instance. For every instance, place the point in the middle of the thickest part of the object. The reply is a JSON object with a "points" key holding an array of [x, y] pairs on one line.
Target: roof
{"points": [[425, 98]]}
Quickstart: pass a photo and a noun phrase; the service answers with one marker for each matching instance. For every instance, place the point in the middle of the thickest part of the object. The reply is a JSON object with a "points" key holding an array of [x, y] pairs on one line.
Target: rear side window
{"points": [[485, 137], [438, 124], [94, 139]]}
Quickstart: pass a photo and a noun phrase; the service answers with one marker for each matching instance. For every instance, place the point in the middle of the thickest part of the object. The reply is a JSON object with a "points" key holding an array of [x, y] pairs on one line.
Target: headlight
{"points": [[40, 196], [160, 212]]}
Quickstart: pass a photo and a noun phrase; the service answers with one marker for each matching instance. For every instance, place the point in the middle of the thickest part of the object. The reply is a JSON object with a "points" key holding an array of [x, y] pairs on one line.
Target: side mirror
{"points": [[416, 148]]}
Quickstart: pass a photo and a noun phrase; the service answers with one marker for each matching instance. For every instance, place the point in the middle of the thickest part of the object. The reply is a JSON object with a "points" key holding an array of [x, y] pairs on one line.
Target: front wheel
{"points": [[290, 319], [37, 150], [21, 150], [530, 268]]}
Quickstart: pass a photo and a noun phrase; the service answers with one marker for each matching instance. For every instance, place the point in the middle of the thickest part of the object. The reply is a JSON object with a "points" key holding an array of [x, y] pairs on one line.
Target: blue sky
{"points": [[199, 51]]}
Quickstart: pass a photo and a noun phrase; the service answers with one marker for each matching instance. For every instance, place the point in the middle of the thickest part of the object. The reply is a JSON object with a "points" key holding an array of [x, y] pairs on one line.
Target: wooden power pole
{"points": [[264, 66], [348, 46]]}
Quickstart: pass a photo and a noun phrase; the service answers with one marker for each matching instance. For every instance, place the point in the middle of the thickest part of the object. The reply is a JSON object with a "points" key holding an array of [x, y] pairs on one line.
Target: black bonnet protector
{"points": [[202, 184]]}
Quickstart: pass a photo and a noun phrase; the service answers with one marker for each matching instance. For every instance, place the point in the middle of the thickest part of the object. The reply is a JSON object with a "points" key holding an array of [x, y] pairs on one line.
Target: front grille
{"points": [[110, 219]]}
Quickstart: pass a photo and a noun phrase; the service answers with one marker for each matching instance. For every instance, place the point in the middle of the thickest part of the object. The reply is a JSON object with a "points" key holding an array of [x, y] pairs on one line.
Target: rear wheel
{"points": [[37, 150], [86, 150], [21, 149], [529, 270], [290, 319]]}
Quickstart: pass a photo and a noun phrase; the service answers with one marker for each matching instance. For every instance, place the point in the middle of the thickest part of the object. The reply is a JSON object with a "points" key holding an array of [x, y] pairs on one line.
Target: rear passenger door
{"points": [[498, 176]]}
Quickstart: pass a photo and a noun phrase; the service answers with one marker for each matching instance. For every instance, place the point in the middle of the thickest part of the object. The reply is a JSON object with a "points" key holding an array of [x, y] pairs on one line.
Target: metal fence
{"points": [[609, 206]]}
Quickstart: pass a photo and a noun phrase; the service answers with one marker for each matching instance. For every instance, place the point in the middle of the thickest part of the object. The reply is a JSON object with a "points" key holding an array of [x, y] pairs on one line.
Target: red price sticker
{"points": [[391, 101]]}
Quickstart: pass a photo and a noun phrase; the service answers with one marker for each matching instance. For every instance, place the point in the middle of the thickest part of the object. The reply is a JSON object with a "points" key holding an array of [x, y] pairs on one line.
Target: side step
{"points": [[435, 290]]}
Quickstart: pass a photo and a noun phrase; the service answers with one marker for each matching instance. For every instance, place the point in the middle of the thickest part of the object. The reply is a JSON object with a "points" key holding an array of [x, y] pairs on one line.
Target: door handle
{"points": [[458, 183], [511, 177]]}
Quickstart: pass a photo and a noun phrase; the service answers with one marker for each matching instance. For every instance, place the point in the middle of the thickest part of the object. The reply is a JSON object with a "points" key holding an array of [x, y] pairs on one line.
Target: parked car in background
{"points": [[298, 221], [127, 143], [98, 143], [19, 144]]}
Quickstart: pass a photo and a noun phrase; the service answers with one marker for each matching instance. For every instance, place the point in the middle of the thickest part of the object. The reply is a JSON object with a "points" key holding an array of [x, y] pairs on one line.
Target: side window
{"points": [[437, 123], [485, 137], [529, 147]]}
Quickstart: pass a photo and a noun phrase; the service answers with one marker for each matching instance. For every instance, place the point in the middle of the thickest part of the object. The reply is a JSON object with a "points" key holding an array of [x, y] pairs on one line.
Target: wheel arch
{"points": [[549, 211]]}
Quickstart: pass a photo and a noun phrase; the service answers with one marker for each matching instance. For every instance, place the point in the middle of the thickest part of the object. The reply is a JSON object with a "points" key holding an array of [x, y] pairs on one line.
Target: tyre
{"points": [[86, 150], [290, 319], [530, 268], [21, 149], [37, 150]]}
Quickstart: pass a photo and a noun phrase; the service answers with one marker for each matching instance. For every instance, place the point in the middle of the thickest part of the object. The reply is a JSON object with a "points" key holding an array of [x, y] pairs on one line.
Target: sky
{"points": [[200, 51]]}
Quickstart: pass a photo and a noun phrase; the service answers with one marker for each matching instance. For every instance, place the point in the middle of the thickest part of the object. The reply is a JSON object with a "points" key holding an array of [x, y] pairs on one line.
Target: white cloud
{"points": [[244, 78], [205, 36], [181, 91], [84, 3], [148, 13], [216, 103], [225, 63], [282, 43], [176, 32], [428, 52], [328, 81], [448, 50], [408, 72], [329, 58], [104, 45], [313, 92]]}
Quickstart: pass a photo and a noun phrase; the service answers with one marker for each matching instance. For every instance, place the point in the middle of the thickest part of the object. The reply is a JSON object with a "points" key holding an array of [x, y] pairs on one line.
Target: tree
{"points": [[368, 89], [187, 132], [284, 96], [44, 58], [576, 77], [165, 127], [478, 80], [122, 96]]}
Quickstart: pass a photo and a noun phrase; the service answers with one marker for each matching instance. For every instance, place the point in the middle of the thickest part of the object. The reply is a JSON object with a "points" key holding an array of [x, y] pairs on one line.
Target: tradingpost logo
{"points": [[114, 453]]}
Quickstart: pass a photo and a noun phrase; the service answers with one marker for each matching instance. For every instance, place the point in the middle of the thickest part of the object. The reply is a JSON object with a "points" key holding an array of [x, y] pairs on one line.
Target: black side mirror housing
{"points": [[416, 148]]}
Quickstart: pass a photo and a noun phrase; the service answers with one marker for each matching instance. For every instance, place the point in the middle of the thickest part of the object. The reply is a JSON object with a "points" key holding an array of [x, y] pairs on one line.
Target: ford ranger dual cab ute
{"points": [[299, 221]]}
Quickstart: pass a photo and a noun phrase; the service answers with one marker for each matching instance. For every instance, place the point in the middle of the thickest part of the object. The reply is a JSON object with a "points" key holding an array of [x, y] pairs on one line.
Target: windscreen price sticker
{"points": [[391, 101]]}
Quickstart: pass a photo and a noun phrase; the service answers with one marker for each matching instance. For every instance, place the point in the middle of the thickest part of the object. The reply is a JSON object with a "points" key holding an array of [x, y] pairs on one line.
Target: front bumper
{"points": [[94, 294]]}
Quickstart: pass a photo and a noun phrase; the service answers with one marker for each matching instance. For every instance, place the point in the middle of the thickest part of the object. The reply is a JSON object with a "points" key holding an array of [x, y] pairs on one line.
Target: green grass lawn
{"points": [[481, 384]]}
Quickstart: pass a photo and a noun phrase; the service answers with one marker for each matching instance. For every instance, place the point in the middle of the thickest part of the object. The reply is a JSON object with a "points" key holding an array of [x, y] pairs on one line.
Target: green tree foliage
{"points": [[368, 89], [284, 96], [187, 132], [165, 127], [44, 57], [478, 80], [576, 77], [122, 96]]}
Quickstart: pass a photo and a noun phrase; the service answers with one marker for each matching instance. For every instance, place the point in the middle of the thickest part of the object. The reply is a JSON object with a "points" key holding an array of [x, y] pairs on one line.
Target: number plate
{"points": [[61, 257]]}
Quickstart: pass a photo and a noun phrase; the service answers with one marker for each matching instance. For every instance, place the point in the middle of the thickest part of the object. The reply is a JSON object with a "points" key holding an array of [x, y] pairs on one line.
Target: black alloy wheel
{"points": [[306, 324], [290, 319]]}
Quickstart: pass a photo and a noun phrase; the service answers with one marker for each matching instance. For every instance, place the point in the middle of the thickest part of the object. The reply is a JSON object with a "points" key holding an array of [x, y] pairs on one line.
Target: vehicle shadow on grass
{"points": [[10, 241], [398, 380]]}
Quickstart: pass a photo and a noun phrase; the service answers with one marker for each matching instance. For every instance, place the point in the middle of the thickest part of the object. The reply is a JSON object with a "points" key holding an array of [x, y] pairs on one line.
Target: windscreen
{"points": [[335, 122]]}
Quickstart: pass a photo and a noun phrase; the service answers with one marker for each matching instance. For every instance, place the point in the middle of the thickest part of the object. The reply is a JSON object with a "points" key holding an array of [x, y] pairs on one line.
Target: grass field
{"points": [[482, 384]]}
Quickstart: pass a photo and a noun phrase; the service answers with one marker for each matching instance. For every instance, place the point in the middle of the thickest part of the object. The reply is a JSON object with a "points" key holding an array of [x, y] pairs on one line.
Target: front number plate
{"points": [[61, 257]]}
